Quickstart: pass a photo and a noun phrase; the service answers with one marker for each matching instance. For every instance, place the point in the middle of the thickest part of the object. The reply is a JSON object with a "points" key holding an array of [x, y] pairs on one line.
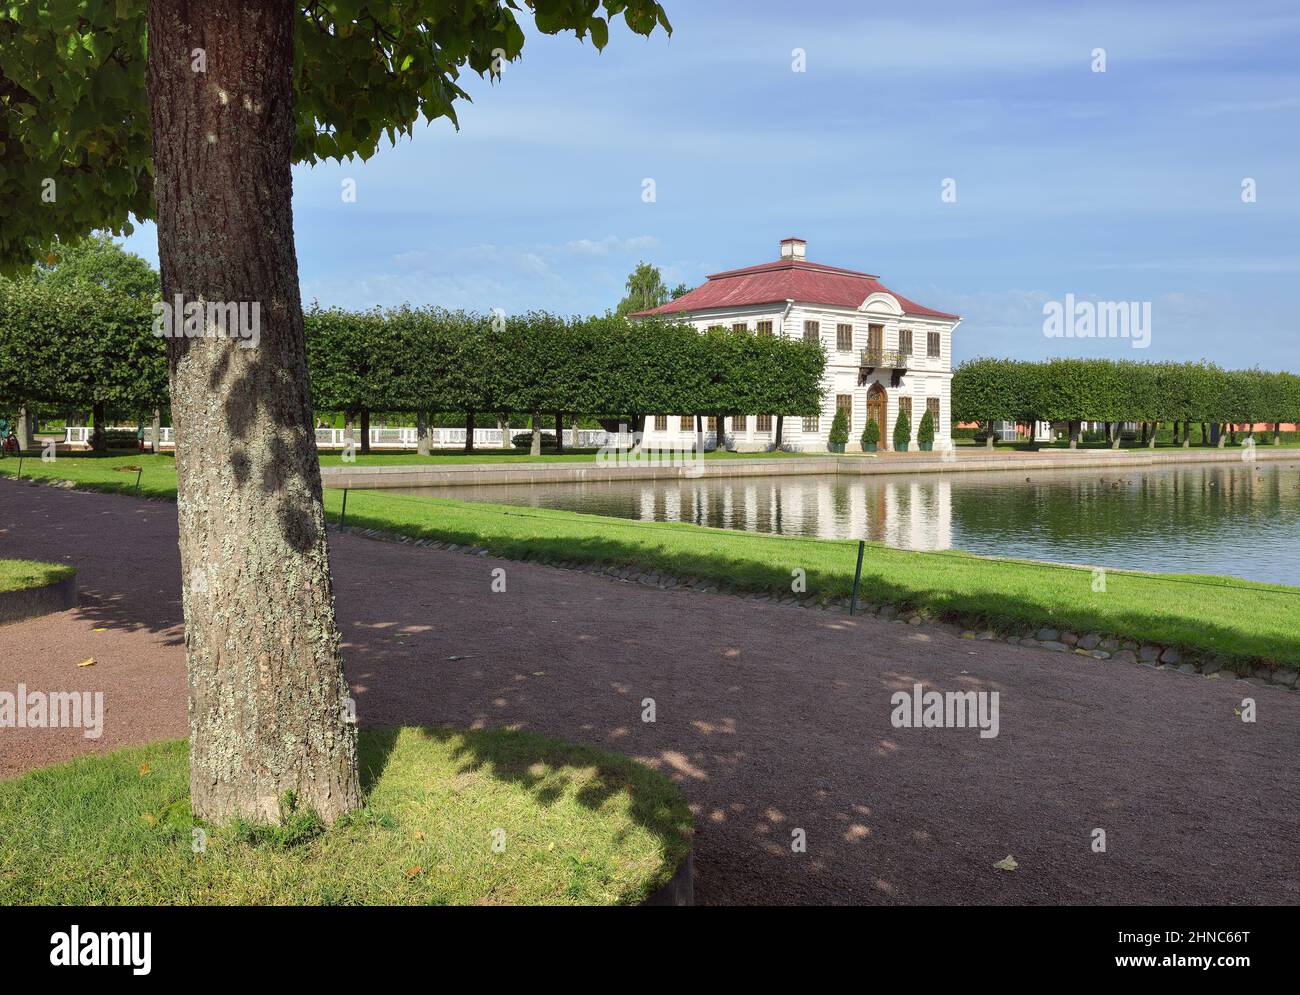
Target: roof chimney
{"points": [[794, 248]]}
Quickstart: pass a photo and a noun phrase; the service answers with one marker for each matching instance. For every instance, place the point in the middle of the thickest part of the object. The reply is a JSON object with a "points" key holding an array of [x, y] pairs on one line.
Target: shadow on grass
{"points": [[540, 765]]}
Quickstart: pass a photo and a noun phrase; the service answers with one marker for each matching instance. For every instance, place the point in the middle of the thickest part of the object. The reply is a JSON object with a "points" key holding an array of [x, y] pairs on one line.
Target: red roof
{"points": [[788, 279]]}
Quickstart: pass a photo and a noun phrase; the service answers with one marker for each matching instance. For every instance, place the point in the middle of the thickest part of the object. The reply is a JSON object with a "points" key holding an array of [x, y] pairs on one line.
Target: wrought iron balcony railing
{"points": [[889, 359]]}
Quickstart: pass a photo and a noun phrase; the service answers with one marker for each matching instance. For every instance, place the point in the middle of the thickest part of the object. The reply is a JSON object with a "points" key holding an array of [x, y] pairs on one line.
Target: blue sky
{"points": [[1117, 186]]}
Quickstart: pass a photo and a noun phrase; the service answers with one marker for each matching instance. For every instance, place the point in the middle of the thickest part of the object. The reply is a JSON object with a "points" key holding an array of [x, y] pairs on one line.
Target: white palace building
{"points": [[883, 351]]}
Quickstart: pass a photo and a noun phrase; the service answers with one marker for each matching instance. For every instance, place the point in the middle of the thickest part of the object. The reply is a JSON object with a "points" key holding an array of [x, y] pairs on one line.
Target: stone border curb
{"points": [[30, 602], [1091, 645], [680, 889]]}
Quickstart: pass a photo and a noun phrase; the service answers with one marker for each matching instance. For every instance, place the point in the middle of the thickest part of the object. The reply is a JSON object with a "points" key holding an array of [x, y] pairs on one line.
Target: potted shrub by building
{"points": [[839, 432], [925, 432], [902, 432], [870, 436]]}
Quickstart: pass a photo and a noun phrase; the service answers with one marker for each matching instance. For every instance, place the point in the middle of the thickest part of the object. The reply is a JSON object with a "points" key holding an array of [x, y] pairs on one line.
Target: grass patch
{"points": [[18, 575], [1236, 620], [114, 473], [582, 827]]}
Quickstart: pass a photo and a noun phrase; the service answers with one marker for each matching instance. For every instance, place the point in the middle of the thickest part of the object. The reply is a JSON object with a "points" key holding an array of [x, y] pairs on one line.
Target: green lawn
{"points": [[16, 575], [581, 826], [1238, 620]]}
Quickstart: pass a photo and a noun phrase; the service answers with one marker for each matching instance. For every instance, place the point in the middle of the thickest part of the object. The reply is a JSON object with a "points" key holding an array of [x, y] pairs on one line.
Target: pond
{"points": [[1240, 520]]}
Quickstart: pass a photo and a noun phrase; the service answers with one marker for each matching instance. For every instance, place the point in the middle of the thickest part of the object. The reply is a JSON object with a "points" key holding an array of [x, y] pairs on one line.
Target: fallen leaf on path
{"points": [[88, 662], [414, 871], [1008, 864]]}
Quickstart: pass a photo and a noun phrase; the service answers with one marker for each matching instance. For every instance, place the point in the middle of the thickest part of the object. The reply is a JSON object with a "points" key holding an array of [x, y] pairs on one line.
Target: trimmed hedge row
{"points": [[1113, 391], [434, 360]]}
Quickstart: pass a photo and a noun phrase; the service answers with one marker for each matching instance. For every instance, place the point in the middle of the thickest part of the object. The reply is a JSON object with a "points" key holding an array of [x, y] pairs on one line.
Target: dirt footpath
{"points": [[773, 719]]}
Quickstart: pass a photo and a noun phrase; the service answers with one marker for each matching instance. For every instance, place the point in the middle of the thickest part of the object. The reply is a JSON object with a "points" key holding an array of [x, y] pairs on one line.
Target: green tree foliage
{"points": [[902, 432], [645, 289], [78, 345], [870, 434], [925, 431], [839, 433], [75, 144], [433, 360], [1114, 391], [98, 261]]}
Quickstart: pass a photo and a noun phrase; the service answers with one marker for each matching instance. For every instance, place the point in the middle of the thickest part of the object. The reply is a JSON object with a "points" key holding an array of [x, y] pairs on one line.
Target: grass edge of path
{"points": [[1229, 626], [22, 575]]}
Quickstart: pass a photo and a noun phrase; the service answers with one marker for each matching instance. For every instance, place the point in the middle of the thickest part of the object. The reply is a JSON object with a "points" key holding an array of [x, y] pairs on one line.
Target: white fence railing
{"points": [[79, 435], [389, 438]]}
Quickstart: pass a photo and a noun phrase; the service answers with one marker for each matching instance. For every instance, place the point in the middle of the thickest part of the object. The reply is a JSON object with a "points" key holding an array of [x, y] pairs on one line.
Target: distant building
{"points": [[884, 352]]}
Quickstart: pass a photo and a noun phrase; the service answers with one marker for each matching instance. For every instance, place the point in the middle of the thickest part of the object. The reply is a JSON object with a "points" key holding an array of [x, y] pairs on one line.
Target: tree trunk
{"points": [[365, 430], [1154, 431], [25, 431], [699, 434], [1223, 434], [97, 440], [1075, 431], [503, 424], [471, 423], [780, 420], [267, 696], [1277, 433], [559, 432], [988, 437], [157, 430], [1114, 435], [573, 439], [1205, 435], [423, 442], [536, 448]]}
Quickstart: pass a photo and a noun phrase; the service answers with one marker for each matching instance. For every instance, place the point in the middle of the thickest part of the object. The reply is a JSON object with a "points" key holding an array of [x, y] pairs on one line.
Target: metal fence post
{"points": [[857, 579]]}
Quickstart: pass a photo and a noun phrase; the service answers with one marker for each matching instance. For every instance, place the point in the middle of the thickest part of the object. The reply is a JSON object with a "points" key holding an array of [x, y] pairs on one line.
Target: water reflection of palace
{"points": [[909, 513]]}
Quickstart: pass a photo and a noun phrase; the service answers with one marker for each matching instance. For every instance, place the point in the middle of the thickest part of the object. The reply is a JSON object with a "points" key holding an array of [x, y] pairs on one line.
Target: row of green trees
{"points": [[428, 360], [80, 345], [1114, 391], [90, 344]]}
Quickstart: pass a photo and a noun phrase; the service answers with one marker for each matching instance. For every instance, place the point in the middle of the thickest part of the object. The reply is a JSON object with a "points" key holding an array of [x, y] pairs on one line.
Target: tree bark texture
{"points": [[267, 695]]}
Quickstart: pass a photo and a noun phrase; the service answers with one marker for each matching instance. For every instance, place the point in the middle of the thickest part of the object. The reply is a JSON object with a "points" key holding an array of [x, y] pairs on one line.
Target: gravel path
{"points": [[772, 719]]}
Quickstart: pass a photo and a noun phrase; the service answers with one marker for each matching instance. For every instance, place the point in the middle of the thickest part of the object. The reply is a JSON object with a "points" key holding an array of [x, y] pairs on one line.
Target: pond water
{"points": [[1240, 520]]}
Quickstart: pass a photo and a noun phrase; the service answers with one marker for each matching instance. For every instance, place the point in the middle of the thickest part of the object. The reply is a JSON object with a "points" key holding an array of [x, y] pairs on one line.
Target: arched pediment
{"points": [[882, 304]]}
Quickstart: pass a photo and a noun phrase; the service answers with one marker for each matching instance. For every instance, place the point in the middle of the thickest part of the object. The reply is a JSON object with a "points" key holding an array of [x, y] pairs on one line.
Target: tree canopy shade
{"points": [[75, 142], [199, 128]]}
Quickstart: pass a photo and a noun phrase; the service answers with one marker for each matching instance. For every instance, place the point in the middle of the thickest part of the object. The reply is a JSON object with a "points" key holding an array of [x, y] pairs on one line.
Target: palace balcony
{"points": [[884, 359]]}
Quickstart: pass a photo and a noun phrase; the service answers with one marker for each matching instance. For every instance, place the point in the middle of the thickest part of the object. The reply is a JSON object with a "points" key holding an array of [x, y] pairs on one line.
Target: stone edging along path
{"points": [[467, 474], [29, 602], [1092, 645]]}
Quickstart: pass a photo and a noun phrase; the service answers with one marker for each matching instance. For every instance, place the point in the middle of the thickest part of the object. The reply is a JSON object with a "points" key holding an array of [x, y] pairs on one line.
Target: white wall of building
{"points": [[924, 378]]}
